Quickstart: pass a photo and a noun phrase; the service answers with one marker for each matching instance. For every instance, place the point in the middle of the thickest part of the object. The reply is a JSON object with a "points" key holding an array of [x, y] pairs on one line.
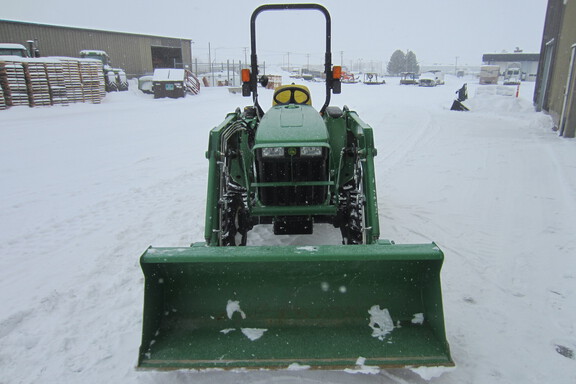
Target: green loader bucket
{"points": [[269, 307]]}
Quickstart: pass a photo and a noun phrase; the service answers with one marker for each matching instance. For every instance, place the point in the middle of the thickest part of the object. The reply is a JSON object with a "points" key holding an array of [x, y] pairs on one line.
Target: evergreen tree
{"points": [[412, 63], [403, 62], [397, 63]]}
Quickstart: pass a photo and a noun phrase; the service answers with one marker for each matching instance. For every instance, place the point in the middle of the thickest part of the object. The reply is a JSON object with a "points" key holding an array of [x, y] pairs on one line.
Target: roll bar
{"points": [[251, 87]]}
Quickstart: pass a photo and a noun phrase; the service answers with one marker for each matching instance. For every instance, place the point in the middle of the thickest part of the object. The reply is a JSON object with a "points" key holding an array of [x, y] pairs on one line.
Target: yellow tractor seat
{"points": [[291, 94]]}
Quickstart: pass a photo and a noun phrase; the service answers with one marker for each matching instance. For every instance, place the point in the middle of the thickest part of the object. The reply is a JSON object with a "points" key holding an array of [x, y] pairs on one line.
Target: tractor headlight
{"points": [[273, 152], [311, 151]]}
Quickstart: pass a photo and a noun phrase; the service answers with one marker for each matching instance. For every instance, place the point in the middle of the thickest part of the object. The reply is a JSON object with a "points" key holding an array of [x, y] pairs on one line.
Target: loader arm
{"points": [[364, 134], [230, 136]]}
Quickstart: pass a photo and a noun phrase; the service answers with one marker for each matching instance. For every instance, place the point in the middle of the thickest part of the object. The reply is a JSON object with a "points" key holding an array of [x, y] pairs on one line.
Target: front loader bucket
{"points": [[269, 307]]}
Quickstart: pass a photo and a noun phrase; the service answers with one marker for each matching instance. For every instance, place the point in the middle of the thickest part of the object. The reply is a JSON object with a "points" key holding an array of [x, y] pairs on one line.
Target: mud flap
{"points": [[269, 307]]}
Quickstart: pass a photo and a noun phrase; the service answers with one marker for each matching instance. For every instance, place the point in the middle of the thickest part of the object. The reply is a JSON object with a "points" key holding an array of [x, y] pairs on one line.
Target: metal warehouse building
{"points": [[136, 54], [555, 90], [528, 62]]}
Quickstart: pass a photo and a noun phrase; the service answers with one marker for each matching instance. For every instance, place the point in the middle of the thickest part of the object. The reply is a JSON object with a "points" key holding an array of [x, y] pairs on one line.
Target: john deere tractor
{"points": [[291, 167], [224, 303]]}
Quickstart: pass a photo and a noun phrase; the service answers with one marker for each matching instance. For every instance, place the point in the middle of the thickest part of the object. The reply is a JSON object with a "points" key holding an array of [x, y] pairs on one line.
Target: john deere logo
{"points": [[292, 151]]}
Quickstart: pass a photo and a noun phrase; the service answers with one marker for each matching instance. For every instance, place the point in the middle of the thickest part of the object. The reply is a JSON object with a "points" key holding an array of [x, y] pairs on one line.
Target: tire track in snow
{"points": [[393, 150]]}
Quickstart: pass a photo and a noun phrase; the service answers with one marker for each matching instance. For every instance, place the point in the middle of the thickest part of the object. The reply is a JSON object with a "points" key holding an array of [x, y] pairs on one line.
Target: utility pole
{"points": [[341, 58], [245, 58], [191, 55], [210, 63], [288, 61], [456, 66]]}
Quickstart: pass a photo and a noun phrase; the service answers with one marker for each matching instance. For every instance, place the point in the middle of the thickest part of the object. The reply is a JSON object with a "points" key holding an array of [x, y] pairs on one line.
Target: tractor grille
{"points": [[293, 169]]}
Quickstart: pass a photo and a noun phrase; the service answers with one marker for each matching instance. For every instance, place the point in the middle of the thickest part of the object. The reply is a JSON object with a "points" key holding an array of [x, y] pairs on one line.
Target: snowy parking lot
{"points": [[87, 188]]}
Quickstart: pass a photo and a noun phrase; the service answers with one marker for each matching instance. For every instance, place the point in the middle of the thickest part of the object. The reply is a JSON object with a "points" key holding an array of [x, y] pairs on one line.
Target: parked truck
{"points": [[513, 74], [489, 74], [11, 49]]}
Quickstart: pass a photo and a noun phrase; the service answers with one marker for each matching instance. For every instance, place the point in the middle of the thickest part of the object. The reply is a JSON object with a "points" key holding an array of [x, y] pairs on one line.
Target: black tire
{"points": [[234, 221], [352, 229], [352, 210]]}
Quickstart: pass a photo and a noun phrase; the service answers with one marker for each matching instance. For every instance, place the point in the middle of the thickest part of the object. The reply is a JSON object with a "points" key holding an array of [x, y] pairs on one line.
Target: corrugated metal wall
{"points": [[552, 23], [558, 40], [130, 52]]}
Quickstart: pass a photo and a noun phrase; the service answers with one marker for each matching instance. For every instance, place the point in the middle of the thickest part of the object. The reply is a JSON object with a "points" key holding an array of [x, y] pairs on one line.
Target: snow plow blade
{"points": [[270, 307]]}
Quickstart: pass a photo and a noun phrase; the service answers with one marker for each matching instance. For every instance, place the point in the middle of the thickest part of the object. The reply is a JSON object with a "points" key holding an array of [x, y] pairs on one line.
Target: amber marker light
{"points": [[245, 75], [337, 72]]}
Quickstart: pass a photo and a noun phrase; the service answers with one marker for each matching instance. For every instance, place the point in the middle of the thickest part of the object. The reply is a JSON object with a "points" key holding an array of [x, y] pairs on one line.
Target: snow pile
{"points": [[418, 318], [168, 74], [232, 307], [362, 368], [380, 322], [297, 367], [429, 373], [253, 333]]}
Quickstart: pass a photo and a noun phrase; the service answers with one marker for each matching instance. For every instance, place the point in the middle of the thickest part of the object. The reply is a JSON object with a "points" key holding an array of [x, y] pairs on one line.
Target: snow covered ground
{"points": [[86, 188]]}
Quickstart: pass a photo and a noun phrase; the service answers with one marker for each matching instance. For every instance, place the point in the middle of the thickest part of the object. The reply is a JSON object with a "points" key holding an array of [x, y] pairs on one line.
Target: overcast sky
{"points": [[438, 32]]}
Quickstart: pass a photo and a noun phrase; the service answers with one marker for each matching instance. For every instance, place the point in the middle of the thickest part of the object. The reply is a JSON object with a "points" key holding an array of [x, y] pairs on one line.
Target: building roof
{"points": [[29, 23], [507, 57]]}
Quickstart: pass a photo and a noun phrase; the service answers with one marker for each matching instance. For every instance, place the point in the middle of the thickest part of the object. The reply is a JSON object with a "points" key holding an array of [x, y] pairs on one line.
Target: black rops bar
{"points": [[327, 57]]}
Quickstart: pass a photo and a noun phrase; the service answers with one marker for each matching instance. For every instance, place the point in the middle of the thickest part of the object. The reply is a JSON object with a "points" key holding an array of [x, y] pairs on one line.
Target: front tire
{"points": [[234, 221], [352, 210]]}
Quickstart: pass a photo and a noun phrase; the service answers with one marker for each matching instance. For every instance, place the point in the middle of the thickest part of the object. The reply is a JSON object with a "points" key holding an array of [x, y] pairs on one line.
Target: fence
{"points": [[222, 73]]}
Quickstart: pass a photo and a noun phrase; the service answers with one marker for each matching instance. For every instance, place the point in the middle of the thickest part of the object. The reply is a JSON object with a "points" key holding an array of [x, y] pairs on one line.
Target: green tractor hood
{"points": [[292, 124]]}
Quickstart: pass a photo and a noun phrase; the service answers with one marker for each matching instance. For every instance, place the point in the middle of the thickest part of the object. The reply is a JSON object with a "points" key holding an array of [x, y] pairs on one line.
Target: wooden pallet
{"points": [[13, 80], [2, 100], [56, 82], [37, 82], [72, 79], [92, 80]]}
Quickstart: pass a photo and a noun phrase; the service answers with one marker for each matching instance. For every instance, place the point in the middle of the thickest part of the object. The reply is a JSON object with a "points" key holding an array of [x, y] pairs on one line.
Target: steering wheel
{"points": [[292, 95]]}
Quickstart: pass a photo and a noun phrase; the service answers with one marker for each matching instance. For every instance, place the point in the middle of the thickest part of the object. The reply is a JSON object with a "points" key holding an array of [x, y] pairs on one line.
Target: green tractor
{"points": [[225, 304]]}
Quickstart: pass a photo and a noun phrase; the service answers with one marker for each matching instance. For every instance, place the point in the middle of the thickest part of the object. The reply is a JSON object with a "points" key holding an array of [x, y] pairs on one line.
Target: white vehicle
{"points": [[438, 76], [513, 74], [428, 79]]}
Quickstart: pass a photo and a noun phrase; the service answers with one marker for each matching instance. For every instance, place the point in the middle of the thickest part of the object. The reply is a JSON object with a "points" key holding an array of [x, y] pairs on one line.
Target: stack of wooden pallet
{"points": [[2, 100], [92, 80], [72, 79], [57, 82], [13, 82], [3, 84], [37, 82], [49, 81]]}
